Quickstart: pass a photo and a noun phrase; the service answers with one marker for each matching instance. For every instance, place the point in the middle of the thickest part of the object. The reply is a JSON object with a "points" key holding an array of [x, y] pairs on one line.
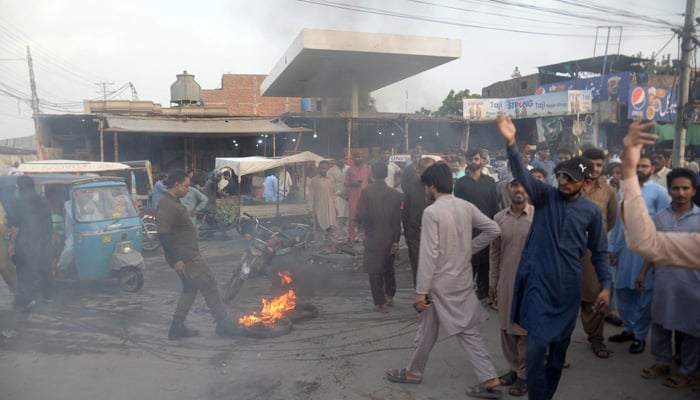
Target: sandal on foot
{"points": [[680, 381], [600, 350], [508, 378], [566, 365], [401, 376], [383, 308], [519, 388], [655, 371], [481, 392]]}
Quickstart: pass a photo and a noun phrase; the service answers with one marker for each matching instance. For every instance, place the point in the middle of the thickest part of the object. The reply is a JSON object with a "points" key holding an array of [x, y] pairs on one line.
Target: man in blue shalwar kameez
{"points": [[548, 284]]}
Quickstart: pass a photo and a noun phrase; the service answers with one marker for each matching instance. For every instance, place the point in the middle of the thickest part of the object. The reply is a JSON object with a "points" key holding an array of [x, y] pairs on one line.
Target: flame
{"points": [[273, 309], [286, 278]]}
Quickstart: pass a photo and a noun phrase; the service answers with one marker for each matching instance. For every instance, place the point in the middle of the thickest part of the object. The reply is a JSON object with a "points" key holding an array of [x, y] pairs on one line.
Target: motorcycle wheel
{"points": [[150, 235], [234, 285], [131, 279]]}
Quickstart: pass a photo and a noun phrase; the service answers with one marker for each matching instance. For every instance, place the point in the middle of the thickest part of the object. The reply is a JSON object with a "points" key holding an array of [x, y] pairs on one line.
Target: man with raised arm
{"points": [[679, 249], [548, 283]]}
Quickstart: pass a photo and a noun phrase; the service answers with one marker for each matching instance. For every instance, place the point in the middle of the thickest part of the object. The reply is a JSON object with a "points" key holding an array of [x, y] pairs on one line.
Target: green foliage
{"points": [[452, 105], [227, 214], [656, 66]]}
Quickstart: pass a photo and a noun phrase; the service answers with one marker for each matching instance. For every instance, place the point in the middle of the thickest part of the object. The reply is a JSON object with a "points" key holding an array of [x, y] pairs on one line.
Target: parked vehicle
{"points": [[151, 242], [103, 231], [265, 244]]}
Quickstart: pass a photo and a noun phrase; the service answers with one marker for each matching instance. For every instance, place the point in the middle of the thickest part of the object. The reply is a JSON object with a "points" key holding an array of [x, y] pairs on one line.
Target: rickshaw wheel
{"points": [[131, 279]]}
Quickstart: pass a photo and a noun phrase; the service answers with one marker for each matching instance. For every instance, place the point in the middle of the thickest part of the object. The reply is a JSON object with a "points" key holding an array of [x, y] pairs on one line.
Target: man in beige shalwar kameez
{"points": [[444, 273], [337, 173], [504, 257], [321, 203]]}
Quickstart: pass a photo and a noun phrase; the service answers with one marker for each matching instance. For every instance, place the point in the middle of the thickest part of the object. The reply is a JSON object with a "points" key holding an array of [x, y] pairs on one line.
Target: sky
{"points": [[77, 45]]}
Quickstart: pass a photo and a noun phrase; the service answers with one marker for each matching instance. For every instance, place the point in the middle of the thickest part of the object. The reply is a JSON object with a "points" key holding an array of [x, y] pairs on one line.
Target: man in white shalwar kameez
{"points": [[321, 203], [445, 276]]}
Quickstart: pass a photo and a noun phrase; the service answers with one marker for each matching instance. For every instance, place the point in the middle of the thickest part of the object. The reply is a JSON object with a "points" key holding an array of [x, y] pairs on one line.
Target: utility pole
{"points": [[100, 124], [35, 106], [687, 45]]}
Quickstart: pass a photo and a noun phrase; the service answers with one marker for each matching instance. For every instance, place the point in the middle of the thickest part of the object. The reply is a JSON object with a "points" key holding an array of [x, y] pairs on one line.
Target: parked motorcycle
{"points": [[265, 244], [150, 230]]}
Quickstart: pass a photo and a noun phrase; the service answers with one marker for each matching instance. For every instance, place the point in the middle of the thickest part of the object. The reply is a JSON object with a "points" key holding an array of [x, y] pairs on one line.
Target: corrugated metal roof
{"points": [[209, 127]]}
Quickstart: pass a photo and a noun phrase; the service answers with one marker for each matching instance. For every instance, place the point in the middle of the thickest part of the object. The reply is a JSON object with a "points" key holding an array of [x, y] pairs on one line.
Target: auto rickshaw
{"points": [[103, 230]]}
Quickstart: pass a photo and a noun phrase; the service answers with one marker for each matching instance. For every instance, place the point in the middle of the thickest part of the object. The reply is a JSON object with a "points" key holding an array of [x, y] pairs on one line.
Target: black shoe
{"points": [[178, 331], [613, 319], [623, 336], [638, 346]]}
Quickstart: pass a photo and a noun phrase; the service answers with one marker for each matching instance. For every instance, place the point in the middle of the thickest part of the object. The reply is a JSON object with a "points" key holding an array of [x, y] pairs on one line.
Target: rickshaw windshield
{"points": [[102, 203]]}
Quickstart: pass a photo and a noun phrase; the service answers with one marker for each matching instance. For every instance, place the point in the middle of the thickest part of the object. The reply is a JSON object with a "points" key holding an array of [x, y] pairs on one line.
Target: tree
{"points": [[452, 105], [655, 66], [424, 111]]}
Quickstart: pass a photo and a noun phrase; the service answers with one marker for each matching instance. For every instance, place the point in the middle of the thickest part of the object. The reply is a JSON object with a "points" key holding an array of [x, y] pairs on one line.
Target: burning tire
{"points": [[302, 312], [280, 327]]}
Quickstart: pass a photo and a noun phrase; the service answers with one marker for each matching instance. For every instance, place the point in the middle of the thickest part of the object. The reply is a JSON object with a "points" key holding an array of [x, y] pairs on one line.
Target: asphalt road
{"points": [[96, 342]]}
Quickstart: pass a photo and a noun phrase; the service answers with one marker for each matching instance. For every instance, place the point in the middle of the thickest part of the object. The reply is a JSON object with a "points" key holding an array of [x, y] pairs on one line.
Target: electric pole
{"points": [[35, 106], [687, 45], [100, 124]]}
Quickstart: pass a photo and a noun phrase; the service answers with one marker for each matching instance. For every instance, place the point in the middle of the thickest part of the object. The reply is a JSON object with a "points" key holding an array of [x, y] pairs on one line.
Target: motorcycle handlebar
{"points": [[248, 215]]}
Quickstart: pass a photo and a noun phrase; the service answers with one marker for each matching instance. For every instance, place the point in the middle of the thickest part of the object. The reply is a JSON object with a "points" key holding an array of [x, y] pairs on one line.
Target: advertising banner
{"points": [[569, 102], [656, 103], [611, 87]]}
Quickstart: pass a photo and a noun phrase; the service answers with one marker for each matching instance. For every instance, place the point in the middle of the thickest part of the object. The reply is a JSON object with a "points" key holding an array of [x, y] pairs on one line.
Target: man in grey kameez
{"points": [[444, 273], [504, 257], [379, 215]]}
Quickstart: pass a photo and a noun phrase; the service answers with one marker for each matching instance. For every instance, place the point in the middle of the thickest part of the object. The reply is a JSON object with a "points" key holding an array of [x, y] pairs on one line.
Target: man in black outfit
{"points": [[30, 244], [480, 190]]}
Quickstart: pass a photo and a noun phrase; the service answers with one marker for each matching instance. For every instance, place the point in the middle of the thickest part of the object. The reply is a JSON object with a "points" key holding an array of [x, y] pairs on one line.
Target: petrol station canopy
{"points": [[327, 63]]}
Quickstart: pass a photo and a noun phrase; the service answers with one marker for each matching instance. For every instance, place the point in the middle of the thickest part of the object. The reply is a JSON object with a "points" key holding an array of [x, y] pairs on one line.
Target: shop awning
{"points": [[202, 127], [668, 131]]}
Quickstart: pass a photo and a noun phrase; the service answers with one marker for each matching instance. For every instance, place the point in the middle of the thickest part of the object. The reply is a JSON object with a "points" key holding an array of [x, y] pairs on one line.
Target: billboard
{"points": [[656, 103], [611, 87], [570, 102]]}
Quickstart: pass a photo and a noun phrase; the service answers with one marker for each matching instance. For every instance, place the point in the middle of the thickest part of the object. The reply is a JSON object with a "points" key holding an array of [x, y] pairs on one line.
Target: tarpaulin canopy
{"points": [[250, 165], [69, 166], [668, 132]]}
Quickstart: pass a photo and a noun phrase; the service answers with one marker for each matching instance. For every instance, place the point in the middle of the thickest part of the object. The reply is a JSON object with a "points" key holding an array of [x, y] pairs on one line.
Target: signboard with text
{"points": [[570, 102], [611, 87], [656, 103]]}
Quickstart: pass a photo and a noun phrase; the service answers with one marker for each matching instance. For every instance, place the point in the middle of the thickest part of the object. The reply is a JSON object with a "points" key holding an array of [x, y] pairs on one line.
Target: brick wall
{"points": [[241, 95]]}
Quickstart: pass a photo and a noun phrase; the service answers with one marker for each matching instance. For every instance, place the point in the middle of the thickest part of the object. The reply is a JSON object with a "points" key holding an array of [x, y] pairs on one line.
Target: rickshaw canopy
{"points": [[251, 165]]}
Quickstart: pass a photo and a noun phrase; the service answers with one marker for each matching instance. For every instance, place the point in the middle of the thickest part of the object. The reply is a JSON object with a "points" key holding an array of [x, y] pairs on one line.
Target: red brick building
{"points": [[241, 96]]}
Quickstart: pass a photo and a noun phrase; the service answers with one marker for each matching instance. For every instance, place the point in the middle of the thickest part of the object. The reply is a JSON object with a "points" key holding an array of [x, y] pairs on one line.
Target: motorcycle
{"points": [[150, 230], [265, 244]]}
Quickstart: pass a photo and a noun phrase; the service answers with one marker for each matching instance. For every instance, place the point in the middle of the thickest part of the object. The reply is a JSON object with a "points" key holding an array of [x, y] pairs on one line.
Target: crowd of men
{"points": [[546, 245], [543, 244]]}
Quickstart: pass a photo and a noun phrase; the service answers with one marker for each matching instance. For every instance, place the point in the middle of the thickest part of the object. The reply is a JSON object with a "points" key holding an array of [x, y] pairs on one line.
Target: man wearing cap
{"points": [[603, 195], [548, 283], [504, 256]]}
